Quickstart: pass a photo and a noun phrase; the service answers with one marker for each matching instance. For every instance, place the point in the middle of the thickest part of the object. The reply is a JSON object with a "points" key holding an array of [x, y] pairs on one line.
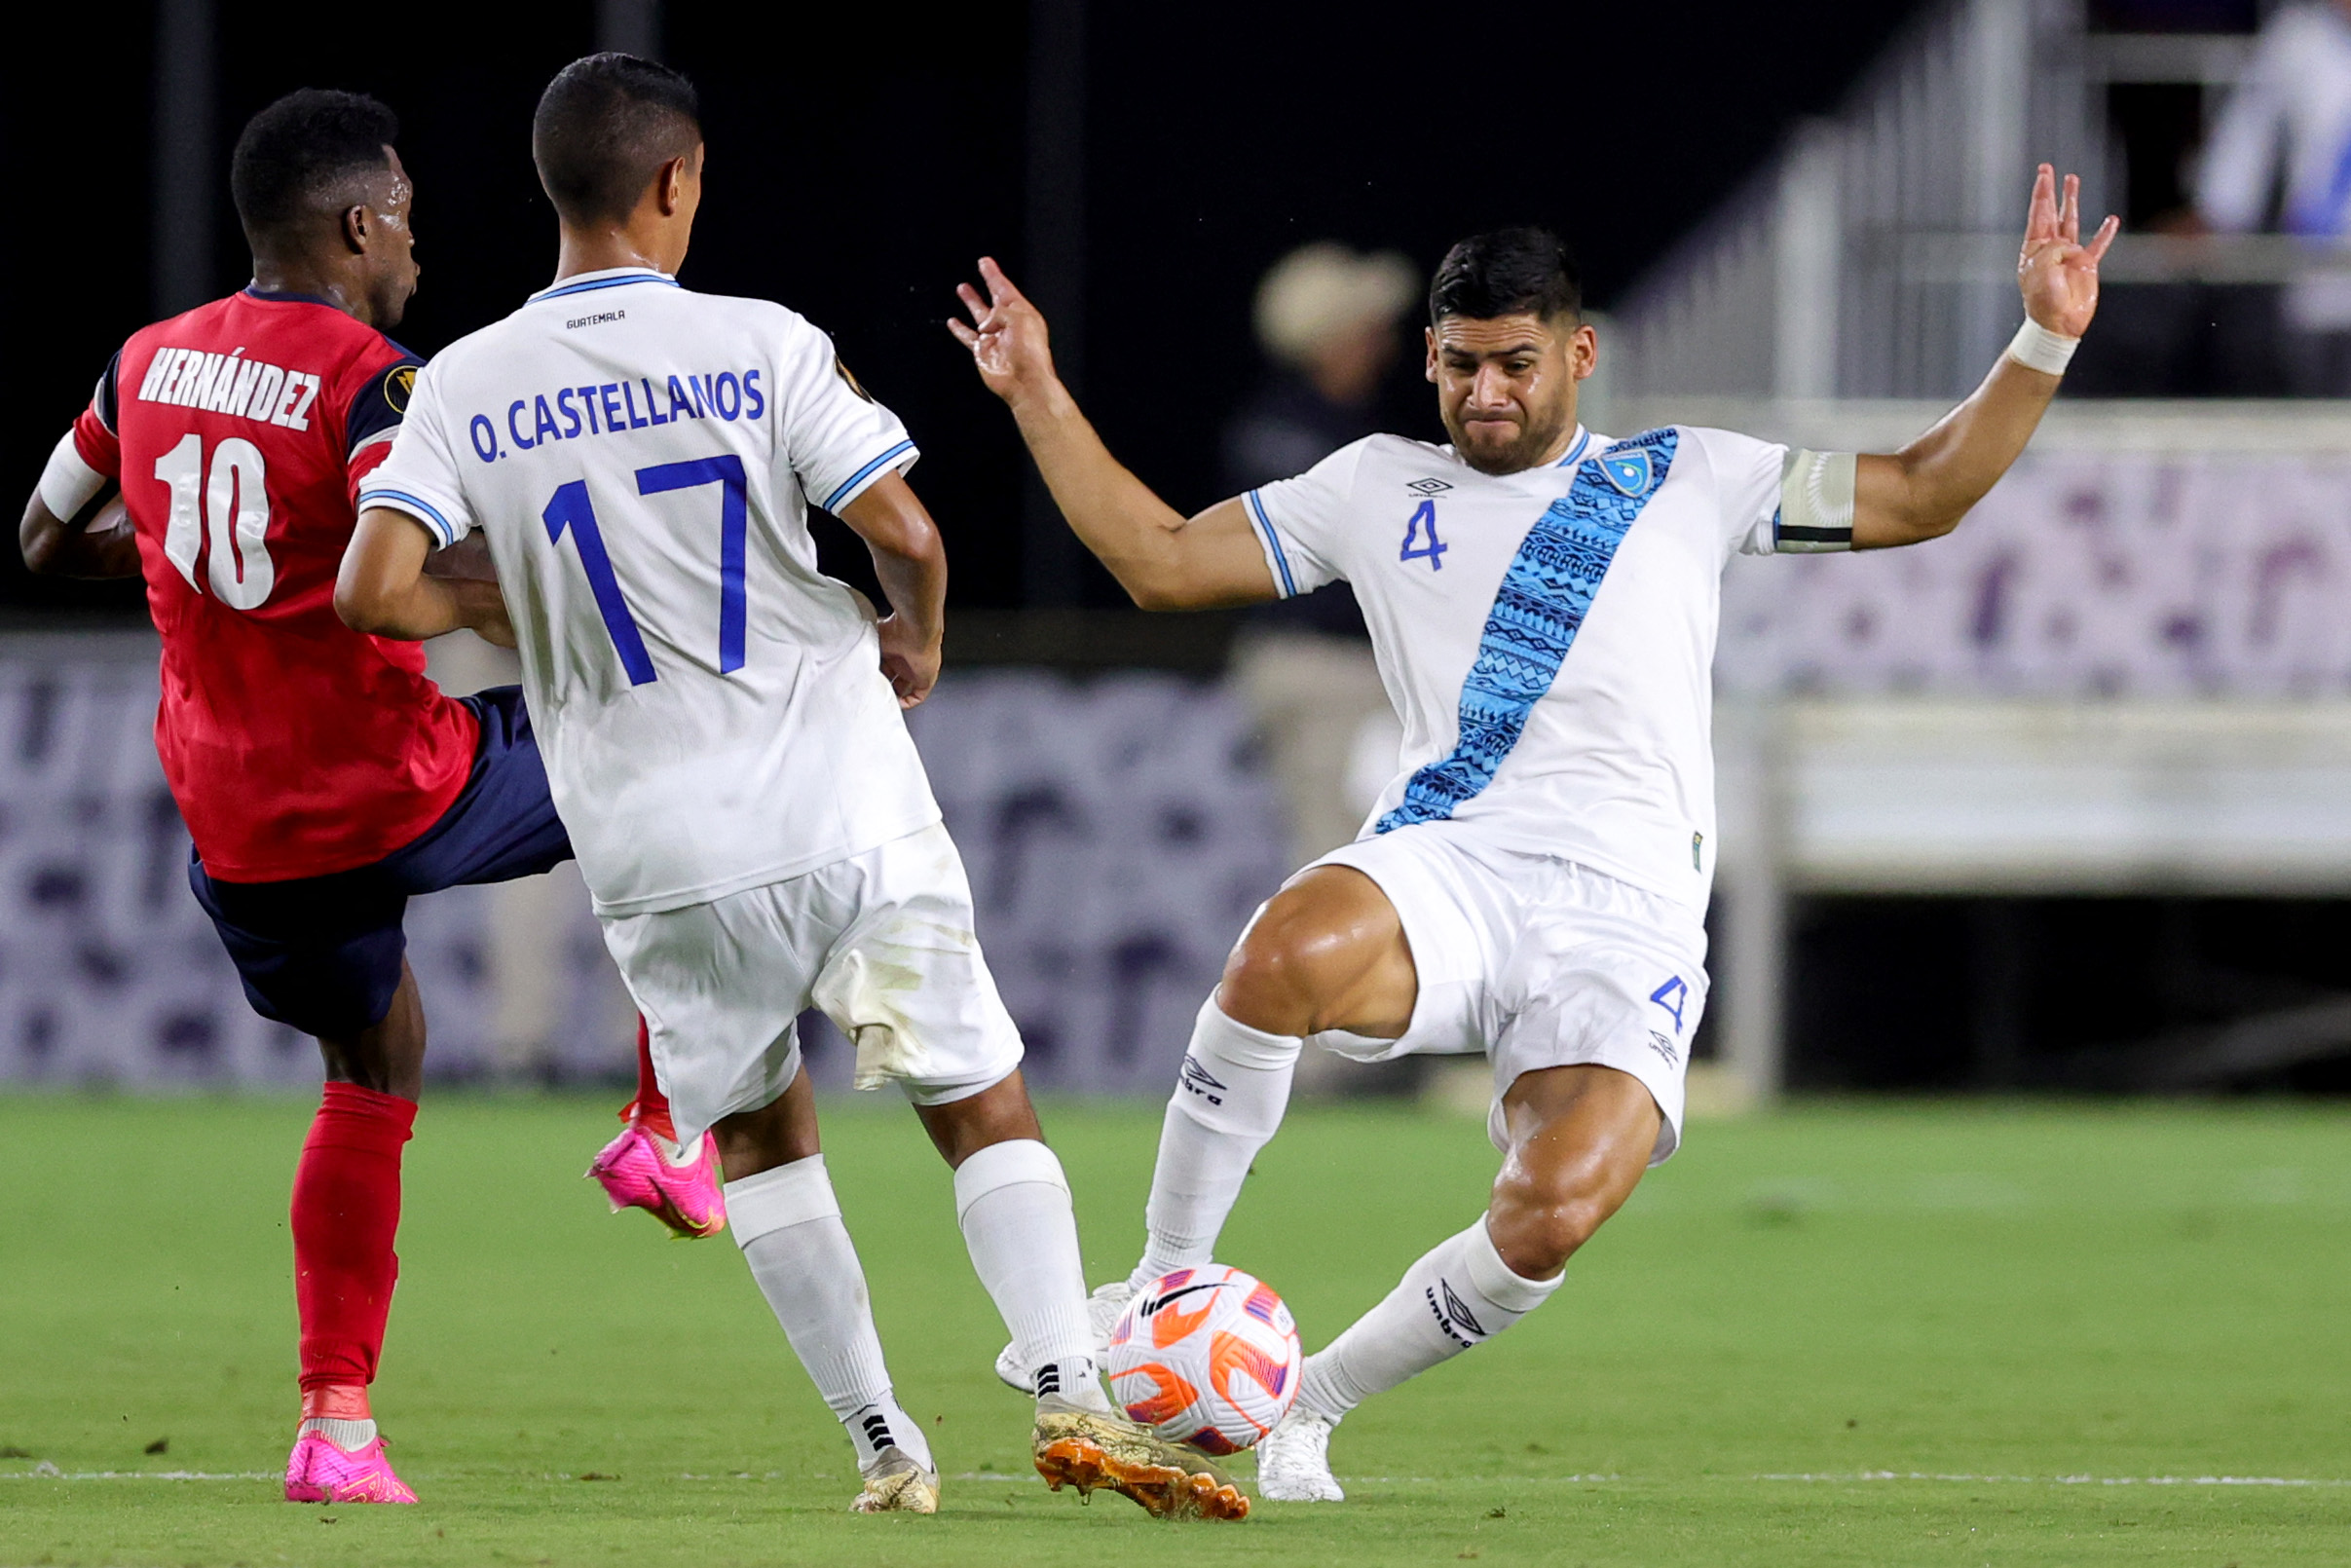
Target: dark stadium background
{"points": [[861, 157]]}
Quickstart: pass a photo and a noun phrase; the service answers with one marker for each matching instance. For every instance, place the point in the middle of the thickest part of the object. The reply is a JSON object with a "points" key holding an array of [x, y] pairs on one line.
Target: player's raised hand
{"points": [[2057, 272], [1007, 338]]}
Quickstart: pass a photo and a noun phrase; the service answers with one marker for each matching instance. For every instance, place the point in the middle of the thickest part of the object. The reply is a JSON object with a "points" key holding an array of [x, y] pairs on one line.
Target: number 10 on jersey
{"points": [[570, 508]]}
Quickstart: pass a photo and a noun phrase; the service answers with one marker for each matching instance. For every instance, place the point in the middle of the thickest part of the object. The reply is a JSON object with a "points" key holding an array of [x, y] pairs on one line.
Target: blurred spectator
{"points": [[2284, 139], [1329, 318]]}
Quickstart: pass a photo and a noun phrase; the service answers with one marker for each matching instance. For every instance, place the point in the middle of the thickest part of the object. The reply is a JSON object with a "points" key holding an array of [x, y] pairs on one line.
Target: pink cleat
{"points": [[643, 1169], [318, 1472]]}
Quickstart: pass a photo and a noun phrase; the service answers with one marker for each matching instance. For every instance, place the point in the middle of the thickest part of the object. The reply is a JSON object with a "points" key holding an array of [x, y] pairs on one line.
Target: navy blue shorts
{"points": [[323, 953]]}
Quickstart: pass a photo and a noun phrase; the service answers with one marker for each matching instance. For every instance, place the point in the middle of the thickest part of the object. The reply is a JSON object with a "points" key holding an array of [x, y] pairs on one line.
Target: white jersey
{"points": [[1546, 637], [641, 460]]}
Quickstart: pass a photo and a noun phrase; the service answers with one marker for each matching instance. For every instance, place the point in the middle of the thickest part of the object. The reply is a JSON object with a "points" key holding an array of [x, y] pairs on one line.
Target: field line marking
{"points": [[2058, 1480], [51, 1472]]}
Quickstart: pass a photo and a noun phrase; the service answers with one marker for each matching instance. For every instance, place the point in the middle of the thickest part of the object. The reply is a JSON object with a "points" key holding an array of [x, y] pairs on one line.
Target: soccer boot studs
{"points": [[1088, 1449]]}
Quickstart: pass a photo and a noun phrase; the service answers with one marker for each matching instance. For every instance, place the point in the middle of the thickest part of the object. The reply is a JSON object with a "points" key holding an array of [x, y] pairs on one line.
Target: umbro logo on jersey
{"points": [[1425, 487], [1200, 1081], [1629, 470], [1453, 1316]]}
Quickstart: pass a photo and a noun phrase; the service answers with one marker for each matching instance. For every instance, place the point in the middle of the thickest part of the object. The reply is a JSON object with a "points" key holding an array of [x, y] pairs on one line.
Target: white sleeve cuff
{"points": [[899, 458], [437, 523], [1277, 560]]}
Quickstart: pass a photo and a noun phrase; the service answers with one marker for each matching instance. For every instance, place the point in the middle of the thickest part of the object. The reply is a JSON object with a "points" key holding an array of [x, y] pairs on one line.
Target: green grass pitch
{"points": [[1866, 1334]]}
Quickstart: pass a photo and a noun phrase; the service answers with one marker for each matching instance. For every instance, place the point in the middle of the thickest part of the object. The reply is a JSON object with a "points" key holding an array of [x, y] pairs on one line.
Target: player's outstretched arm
{"points": [[1163, 559], [910, 560], [385, 590], [1923, 491]]}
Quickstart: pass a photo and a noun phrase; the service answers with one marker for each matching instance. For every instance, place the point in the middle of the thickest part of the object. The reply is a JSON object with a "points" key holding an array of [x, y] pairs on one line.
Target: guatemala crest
{"points": [[1628, 469]]}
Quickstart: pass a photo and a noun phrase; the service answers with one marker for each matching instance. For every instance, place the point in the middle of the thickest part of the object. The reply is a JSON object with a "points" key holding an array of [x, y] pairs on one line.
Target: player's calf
{"points": [[1581, 1137]]}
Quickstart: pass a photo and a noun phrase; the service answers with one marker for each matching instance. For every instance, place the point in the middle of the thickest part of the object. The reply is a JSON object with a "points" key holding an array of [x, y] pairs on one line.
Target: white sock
{"points": [[1461, 1294], [788, 1224], [1013, 1202], [1227, 1105], [348, 1435]]}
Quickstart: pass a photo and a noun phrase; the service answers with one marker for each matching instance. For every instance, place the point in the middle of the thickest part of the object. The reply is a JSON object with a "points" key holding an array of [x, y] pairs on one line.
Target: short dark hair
{"points": [[1521, 271], [604, 125], [292, 154]]}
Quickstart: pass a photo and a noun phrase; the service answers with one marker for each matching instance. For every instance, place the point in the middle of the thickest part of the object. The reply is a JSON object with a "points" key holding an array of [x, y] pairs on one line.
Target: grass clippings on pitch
{"points": [[1865, 1335]]}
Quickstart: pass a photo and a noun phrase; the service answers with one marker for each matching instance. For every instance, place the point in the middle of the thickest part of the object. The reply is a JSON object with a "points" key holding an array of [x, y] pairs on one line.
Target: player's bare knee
{"points": [[1537, 1231], [1285, 974]]}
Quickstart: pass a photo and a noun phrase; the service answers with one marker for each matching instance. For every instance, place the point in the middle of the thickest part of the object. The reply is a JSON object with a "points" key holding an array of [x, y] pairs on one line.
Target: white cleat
{"points": [[1293, 1460], [1103, 1308], [898, 1483]]}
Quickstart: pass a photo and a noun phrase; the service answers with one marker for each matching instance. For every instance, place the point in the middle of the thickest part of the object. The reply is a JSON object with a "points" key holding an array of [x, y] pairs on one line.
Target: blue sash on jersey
{"points": [[1544, 599]]}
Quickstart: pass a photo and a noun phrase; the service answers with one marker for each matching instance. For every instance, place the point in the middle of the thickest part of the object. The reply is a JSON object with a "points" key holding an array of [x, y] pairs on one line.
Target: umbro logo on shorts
{"points": [[1665, 1048], [1453, 1316], [1202, 1082]]}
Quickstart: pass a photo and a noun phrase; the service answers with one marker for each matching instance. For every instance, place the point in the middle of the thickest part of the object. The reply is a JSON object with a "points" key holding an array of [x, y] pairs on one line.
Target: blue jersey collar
{"points": [[609, 277]]}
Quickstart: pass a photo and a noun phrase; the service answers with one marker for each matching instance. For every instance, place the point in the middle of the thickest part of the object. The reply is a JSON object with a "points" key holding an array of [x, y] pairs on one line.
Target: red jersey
{"points": [[294, 745]]}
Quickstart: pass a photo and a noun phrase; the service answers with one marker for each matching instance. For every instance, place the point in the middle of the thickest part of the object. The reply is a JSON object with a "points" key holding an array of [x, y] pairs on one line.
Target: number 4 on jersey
{"points": [[1422, 526]]}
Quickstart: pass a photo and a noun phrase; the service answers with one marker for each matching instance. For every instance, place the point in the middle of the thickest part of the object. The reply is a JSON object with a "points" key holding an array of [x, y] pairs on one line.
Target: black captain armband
{"points": [[1816, 502]]}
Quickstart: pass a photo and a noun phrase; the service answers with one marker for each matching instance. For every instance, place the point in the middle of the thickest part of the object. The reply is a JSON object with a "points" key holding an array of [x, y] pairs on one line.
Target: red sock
{"points": [[650, 1106], [347, 1212]]}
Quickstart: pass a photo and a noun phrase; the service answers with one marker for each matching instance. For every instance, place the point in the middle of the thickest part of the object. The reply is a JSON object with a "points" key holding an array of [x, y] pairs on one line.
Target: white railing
{"points": [[1874, 257]]}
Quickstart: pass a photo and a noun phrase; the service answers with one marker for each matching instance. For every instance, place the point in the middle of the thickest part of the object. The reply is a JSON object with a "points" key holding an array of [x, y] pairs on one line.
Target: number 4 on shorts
{"points": [[1670, 996]]}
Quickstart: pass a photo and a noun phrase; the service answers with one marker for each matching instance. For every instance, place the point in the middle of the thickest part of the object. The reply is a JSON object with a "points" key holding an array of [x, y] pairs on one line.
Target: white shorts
{"points": [[1538, 962], [882, 942]]}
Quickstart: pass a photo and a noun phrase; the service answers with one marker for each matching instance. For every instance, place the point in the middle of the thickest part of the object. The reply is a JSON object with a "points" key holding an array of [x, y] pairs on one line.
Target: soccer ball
{"points": [[1206, 1355]]}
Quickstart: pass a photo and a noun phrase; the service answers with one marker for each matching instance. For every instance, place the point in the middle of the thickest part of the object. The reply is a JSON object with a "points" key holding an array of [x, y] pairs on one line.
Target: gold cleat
{"points": [[898, 1485], [1086, 1449]]}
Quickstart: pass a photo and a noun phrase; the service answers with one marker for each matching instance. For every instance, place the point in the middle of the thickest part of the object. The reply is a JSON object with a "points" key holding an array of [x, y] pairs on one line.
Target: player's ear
{"points": [[669, 185], [356, 223], [1428, 336], [1583, 351]]}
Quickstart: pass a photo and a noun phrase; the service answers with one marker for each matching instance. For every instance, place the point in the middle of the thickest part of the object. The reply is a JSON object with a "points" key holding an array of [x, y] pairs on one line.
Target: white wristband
{"points": [[68, 483], [2037, 347]]}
